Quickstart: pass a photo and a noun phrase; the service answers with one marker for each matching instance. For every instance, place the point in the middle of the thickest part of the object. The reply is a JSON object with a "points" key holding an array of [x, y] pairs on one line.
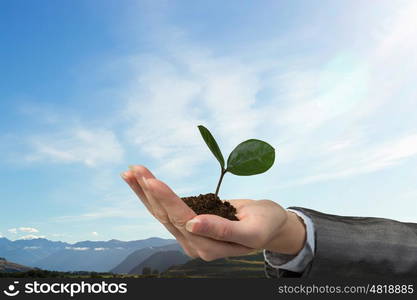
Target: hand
{"points": [[263, 224], [173, 213]]}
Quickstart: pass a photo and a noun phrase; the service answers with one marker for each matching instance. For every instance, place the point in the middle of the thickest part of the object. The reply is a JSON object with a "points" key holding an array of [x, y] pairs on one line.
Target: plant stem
{"points": [[220, 181]]}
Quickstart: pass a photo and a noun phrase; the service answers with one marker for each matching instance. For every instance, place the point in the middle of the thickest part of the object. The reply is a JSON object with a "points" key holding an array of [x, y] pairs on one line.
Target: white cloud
{"points": [[31, 248], [363, 161], [401, 27], [340, 145], [94, 233], [100, 249], [31, 237], [28, 229], [80, 248], [23, 229], [77, 248], [90, 147]]}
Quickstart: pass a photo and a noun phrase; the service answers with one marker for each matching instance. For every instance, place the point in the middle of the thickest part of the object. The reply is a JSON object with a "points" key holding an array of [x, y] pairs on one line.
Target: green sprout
{"points": [[250, 157]]}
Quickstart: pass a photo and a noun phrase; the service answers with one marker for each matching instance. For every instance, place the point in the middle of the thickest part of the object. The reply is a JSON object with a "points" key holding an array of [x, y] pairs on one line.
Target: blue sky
{"points": [[90, 87]]}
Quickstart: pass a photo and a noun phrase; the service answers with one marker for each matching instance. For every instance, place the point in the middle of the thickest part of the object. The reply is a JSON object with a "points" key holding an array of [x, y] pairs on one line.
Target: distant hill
{"points": [[247, 266], [98, 256], [137, 257], [161, 261], [10, 267]]}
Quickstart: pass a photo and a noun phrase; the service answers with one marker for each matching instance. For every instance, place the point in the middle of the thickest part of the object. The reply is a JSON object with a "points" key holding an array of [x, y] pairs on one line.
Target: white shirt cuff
{"points": [[303, 258]]}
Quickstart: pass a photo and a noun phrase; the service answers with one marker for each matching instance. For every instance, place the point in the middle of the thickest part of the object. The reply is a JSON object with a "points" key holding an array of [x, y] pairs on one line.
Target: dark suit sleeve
{"points": [[359, 247]]}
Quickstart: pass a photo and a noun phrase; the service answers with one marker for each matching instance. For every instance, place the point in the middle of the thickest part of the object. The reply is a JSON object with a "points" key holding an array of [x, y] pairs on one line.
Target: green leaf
{"points": [[212, 144], [251, 157]]}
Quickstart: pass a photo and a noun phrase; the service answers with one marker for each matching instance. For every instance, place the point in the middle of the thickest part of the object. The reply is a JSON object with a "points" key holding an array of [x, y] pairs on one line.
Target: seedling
{"points": [[250, 157]]}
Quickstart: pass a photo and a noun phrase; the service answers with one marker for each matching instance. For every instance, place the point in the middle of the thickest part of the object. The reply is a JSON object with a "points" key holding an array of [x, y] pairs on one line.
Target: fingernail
{"points": [[190, 225], [124, 175], [131, 167]]}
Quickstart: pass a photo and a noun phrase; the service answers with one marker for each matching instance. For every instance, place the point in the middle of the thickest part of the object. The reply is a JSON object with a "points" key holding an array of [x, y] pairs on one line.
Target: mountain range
{"points": [[98, 256]]}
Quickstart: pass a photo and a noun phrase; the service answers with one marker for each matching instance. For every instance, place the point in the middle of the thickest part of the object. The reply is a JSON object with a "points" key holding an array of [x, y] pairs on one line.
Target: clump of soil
{"points": [[211, 204]]}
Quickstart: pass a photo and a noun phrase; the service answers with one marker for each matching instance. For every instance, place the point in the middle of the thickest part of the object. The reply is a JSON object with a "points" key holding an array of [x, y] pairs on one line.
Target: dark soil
{"points": [[211, 204]]}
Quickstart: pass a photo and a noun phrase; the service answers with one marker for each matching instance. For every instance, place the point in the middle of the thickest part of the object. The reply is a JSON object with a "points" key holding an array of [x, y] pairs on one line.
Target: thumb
{"points": [[222, 229]]}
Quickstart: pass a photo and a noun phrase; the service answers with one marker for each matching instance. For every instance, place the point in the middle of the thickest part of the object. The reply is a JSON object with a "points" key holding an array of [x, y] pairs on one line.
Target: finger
{"points": [[142, 174], [130, 179], [221, 229], [177, 212]]}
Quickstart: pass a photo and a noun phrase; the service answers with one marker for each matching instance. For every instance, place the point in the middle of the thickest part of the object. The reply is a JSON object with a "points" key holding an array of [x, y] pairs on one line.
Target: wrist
{"points": [[292, 236]]}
